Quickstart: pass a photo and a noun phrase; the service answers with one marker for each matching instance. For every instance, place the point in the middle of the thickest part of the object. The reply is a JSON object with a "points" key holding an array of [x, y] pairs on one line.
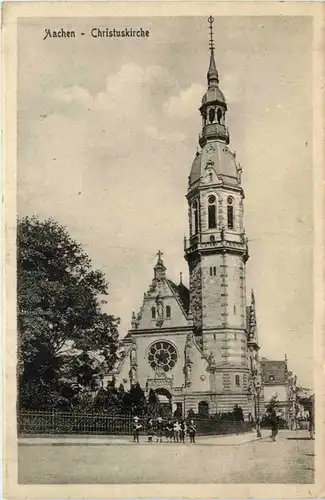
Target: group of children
{"points": [[174, 431]]}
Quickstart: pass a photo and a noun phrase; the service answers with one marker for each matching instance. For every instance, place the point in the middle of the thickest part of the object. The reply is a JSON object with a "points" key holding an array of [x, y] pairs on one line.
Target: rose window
{"points": [[162, 355]]}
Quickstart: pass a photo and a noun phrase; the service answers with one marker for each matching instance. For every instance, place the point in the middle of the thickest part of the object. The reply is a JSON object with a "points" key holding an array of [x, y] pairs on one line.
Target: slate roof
{"points": [[182, 293], [273, 372]]}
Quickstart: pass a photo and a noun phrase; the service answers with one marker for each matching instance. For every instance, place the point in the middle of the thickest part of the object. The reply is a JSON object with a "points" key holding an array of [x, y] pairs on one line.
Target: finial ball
{"points": [[211, 19]]}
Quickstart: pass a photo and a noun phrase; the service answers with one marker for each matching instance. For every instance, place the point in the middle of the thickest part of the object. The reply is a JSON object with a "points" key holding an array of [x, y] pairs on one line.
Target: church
{"points": [[197, 348]]}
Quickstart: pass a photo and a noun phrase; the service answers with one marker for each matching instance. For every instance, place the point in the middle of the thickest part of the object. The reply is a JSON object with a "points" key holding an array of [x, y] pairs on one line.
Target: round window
{"points": [[211, 199], [230, 200], [162, 355]]}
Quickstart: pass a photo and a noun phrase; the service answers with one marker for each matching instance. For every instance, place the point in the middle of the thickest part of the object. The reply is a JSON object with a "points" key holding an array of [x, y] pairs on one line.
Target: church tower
{"points": [[217, 250], [197, 348]]}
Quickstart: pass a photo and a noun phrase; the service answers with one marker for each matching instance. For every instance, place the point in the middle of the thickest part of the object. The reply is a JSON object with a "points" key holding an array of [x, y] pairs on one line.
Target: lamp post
{"points": [[258, 392]]}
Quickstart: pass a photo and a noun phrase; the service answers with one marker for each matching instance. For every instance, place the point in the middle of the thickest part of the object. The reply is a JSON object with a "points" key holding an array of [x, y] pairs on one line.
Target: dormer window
{"points": [[230, 212], [271, 377], [153, 313], [168, 312], [212, 212]]}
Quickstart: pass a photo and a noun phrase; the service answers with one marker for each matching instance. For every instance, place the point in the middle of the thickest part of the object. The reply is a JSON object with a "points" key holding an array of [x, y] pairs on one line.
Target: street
{"points": [[211, 460]]}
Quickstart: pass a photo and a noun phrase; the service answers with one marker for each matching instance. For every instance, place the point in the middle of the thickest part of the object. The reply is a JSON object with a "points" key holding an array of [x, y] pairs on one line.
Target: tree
{"points": [[59, 310], [272, 404]]}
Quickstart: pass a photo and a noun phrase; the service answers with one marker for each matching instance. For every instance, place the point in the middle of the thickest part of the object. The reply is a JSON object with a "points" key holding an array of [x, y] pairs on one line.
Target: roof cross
{"points": [[211, 42], [159, 253]]}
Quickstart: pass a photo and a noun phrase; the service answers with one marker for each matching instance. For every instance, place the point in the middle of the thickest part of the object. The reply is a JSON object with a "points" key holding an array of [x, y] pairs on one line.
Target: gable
{"points": [[165, 305]]}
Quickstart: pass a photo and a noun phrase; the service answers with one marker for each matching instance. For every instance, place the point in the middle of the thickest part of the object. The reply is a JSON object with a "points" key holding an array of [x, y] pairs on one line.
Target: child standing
{"points": [[169, 431], [192, 431], [136, 429], [177, 429], [150, 430], [160, 429], [182, 431]]}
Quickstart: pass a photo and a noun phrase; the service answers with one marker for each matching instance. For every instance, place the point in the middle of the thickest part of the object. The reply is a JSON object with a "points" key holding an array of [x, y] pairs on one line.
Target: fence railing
{"points": [[55, 422]]}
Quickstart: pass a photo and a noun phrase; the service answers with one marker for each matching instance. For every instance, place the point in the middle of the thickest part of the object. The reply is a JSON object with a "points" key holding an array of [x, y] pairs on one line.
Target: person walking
{"points": [[150, 430], [274, 425], [169, 431], [182, 431], [136, 429], [160, 429], [192, 431], [177, 429]]}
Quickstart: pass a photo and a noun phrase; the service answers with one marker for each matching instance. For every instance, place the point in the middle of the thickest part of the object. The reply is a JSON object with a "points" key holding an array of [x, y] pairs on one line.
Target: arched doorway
{"points": [[164, 402], [203, 408]]}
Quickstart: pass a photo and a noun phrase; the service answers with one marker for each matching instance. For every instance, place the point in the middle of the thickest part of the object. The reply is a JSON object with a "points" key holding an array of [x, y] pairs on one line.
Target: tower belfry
{"points": [[216, 250]]}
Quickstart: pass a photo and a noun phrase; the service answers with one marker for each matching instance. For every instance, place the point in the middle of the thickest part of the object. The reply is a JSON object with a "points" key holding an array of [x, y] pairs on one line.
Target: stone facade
{"points": [[199, 346]]}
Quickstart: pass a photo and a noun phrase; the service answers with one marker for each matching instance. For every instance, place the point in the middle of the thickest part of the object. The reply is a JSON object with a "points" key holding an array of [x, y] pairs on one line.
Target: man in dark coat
{"points": [[274, 425]]}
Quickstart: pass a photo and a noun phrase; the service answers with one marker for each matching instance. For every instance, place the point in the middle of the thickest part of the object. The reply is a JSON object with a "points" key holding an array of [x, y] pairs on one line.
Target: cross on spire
{"points": [[212, 75], [211, 42], [159, 254]]}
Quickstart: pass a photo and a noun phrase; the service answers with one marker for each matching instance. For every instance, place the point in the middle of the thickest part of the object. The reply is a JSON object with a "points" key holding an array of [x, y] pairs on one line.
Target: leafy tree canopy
{"points": [[59, 305]]}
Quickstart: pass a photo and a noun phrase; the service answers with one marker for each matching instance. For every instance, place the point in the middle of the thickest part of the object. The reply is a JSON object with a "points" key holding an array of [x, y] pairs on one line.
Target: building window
{"points": [[213, 271], [162, 355], [168, 312], [271, 377], [196, 217], [212, 212], [203, 408], [153, 313], [230, 212], [237, 380]]}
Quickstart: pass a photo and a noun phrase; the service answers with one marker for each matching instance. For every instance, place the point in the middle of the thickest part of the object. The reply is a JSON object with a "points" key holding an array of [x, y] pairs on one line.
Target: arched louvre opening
{"points": [[212, 212], [230, 212]]}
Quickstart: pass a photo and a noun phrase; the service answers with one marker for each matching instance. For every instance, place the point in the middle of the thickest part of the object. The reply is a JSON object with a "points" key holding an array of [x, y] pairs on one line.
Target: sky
{"points": [[108, 130]]}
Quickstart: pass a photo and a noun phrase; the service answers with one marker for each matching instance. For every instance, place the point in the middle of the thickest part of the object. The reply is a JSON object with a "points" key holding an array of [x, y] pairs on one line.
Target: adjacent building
{"points": [[280, 383]]}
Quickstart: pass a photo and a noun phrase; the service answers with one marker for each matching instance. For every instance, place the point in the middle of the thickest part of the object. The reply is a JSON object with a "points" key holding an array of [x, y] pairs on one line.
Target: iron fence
{"points": [[55, 422]]}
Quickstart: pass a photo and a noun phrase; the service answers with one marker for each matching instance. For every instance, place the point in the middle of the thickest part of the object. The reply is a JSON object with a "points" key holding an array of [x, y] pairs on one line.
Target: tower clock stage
{"points": [[198, 347]]}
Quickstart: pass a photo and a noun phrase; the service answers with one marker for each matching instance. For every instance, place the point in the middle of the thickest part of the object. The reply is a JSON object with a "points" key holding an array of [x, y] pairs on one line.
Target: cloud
{"points": [[186, 103]]}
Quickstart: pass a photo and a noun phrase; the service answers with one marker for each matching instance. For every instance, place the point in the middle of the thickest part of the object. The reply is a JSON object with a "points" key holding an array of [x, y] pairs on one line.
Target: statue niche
{"points": [[189, 359], [160, 309]]}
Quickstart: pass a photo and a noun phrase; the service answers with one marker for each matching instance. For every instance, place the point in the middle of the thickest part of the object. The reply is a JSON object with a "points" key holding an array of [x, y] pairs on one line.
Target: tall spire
{"points": [[212, 76]]}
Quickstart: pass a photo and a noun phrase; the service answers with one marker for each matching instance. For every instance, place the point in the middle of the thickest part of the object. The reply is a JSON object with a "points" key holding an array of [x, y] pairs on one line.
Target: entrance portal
{"points": [[164, 402]]}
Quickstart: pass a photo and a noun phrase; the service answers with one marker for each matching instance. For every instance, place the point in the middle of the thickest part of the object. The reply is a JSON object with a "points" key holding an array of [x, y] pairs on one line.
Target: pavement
{"points": [[239, 458], [101, 440]]}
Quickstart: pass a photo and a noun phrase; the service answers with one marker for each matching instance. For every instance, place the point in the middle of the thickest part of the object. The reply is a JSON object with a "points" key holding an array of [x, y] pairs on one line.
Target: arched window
{"points": [[211, 271], [203, 408], [210, 176], [153, 313], [219, 115], [212, 212], [230, 212], [196, 217], [168, 312], [214, 271], [212, 115], [237, 380]]}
